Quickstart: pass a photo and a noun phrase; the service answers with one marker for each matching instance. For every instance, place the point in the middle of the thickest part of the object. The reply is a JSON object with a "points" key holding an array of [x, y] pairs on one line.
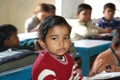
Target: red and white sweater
{"points": [[48, 67]]}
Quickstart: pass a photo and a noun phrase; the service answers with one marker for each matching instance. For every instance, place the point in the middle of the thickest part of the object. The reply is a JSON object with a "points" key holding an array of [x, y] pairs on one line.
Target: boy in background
{"points": [[84, 26], [8, 37], [41, 11], [108, 20]]}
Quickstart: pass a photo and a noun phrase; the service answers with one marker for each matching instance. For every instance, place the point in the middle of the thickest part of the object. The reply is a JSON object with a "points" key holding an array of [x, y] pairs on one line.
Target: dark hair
{"points": [[50, 22], [116, 38], [44, 7], [52, 8], [6, 30], [82, 7], [110, 5]]}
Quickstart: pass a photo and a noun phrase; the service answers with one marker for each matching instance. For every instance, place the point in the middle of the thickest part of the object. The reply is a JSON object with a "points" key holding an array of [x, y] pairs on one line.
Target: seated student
{"points": [[41, 11], [8, 37], [84, 26], [54, 62], [108, 20], [108, 60]]}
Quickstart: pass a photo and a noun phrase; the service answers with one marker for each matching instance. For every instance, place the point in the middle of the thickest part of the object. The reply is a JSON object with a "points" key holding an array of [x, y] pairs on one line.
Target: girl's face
{"points": [[109, 14], [57, 40], [13, 41], [84, 15]]}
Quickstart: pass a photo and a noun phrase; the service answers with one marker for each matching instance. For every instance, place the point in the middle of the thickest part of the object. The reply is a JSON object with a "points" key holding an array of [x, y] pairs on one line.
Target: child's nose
{"points": [[61, 42]]}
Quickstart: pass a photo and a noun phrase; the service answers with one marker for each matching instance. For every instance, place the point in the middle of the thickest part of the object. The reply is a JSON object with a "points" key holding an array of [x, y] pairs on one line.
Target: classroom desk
{"points": [[23, 73], [87, 48]]}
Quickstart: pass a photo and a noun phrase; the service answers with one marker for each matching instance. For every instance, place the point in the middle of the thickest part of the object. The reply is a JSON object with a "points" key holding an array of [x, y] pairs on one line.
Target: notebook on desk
{"points": [[106, 76]]}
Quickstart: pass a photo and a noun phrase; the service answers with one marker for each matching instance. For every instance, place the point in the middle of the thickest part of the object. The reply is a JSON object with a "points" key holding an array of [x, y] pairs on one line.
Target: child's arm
{"points": [[101, 30], [35, 28], [107, 30], [102, 65], [96, 66], [112, 68]]}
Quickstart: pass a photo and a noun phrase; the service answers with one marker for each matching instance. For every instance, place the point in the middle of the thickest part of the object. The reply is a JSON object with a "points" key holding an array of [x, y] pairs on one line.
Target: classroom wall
{"points": [[97, 11], [67, 8], [3, 11], [17, 11]]}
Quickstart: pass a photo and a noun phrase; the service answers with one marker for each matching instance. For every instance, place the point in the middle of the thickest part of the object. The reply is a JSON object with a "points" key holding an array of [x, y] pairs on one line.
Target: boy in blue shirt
{"points": [[108, 21]]}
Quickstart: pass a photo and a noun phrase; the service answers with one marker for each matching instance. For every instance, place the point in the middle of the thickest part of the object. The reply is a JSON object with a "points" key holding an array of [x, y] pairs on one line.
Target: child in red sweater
{"points": [[54, 62]]}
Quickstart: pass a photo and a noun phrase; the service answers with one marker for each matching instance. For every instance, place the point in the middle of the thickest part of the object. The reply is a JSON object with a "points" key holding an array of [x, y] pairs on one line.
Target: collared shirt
{"points": [[81, 30], [114, 24]]}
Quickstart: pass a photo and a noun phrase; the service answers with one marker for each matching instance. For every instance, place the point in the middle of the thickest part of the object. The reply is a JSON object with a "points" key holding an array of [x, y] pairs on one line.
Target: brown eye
{"points": [[67, 38], [53, 38]]}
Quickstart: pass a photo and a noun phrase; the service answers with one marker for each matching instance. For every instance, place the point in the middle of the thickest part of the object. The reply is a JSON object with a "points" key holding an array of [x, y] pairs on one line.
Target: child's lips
{"points": [[61, 49]]}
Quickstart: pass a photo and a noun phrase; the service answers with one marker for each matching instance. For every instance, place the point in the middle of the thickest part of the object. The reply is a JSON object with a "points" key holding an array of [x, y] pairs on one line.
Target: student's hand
{"points": [[108, 30], [110, 68]]}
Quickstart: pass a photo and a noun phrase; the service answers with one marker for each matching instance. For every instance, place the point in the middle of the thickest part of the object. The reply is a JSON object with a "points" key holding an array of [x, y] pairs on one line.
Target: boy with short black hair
{"points": [[108, 20], [8, 37]]}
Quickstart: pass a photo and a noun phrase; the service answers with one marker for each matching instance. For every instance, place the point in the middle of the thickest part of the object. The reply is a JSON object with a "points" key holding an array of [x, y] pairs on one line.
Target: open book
{"points": [[104, 75]]}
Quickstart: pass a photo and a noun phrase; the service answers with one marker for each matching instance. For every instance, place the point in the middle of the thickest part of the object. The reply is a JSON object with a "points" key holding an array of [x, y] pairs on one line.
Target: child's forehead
{"points": [[108, 8], [14, 34], [86, 10], [59, 28]]}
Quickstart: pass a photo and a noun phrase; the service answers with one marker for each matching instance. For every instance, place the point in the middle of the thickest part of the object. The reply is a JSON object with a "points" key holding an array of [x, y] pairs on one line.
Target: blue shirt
{"points": [[114, 24]]}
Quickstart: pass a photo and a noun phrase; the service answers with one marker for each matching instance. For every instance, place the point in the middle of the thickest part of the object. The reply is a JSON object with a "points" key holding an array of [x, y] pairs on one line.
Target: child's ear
{"points": [[77, 14], [42, 44]]}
